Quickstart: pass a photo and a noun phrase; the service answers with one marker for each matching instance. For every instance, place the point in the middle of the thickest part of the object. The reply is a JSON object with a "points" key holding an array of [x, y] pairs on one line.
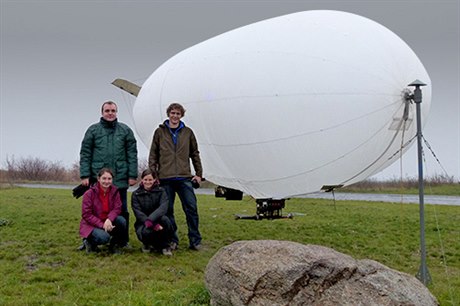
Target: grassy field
{"points": [[39, 264]]}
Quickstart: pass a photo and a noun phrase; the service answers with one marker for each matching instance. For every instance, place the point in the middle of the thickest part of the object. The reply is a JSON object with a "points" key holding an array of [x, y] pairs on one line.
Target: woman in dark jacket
{"points": [[150, 205], [101, 222]]}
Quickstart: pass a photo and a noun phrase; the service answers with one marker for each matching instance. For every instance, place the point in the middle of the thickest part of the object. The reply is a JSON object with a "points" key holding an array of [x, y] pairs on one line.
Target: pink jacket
{"points": [[92, 207]]}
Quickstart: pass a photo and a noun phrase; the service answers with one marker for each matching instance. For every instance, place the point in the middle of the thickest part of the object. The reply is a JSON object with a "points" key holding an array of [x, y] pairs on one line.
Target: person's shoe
{"points": [[196, 247], [173, 246], [82, 246], [145, 248], [115, 249], [90, 248], [127, 247], [166, 252]]}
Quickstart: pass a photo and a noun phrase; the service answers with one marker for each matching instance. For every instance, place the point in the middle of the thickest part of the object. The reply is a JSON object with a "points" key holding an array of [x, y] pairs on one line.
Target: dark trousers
{"points": [[158, 239], [124, 211], [185, 191]]}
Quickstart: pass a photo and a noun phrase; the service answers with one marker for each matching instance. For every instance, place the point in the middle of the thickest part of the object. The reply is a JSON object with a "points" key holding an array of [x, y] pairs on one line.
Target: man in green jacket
{"points": [[173, 147], [110, 144]]}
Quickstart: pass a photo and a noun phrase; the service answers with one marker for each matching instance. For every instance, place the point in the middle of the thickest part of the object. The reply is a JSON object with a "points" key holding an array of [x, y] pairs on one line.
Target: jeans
{"points": [[116, 237], [188, 199]]}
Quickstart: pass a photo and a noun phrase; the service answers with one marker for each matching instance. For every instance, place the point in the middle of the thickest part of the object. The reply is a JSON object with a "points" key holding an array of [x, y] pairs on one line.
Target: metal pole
{"points": [[423, 275]]}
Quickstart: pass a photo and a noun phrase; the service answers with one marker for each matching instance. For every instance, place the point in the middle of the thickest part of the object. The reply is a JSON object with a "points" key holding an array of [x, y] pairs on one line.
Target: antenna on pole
{"points": [[423, 275]]}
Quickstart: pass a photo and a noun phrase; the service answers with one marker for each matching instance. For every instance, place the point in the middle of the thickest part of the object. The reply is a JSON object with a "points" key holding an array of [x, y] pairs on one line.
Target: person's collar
{"points": [[181, 124], [109, 124], [101, 190]]}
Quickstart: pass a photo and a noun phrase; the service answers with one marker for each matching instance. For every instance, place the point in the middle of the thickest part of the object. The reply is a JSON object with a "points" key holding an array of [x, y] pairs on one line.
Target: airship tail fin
{"points": [[127, 86]]}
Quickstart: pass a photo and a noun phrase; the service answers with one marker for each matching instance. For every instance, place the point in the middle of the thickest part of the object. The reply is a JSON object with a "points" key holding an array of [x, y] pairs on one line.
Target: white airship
{"points": [[291, 105]]}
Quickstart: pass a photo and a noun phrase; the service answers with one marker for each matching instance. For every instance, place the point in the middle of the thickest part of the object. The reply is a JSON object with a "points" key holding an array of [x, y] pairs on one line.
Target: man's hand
{"points": [[132, 182], [197, 179], [85, 181]]}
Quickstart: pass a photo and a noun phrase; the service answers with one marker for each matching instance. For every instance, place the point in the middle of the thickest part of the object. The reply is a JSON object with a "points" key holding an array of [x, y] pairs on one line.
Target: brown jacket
{"points": [[172, 160]]}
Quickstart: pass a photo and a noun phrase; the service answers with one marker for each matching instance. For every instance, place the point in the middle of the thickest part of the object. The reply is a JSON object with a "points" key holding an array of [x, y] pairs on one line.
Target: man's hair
{"points": [[108, 103], [177, 106], [104, 170], [149, 172]]}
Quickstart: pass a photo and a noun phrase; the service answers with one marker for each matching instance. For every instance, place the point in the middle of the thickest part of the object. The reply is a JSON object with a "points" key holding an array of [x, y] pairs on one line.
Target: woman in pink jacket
{"points": [[101, 222]]}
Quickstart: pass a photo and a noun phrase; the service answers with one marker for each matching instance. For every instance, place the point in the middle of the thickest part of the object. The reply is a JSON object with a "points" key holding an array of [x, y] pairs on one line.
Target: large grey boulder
{"points": [[270, 272]]}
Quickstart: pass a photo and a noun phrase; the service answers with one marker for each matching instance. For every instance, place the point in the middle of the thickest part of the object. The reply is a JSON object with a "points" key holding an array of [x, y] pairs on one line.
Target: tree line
{"points": [[38, 169]]}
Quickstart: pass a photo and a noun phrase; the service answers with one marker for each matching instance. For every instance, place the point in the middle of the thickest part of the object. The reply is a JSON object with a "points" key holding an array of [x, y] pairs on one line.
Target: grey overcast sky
{"points": [[58, 58]]}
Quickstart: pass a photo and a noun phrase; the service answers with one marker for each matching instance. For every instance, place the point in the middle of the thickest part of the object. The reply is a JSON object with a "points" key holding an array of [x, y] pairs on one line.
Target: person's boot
{"points": [[146, 248], [90, 247], [166, 252], [113, 247], [82, 246]]}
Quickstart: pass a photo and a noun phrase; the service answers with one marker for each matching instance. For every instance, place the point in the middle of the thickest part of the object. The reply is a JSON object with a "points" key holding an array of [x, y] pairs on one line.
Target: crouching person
{"points": [[101, 221], [150, 206]]}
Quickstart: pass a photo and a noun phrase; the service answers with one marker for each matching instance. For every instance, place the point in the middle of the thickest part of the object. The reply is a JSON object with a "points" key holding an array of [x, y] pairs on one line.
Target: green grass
{"points": [[39, 264]]}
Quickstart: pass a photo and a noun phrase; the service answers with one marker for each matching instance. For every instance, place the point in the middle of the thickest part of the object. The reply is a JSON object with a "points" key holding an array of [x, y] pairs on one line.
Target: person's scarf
{"points": [[104, 198]]}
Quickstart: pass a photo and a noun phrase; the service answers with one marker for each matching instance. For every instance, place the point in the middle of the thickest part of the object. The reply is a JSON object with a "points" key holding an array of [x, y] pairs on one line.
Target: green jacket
{"points": [[171, 159], [111, 145]]}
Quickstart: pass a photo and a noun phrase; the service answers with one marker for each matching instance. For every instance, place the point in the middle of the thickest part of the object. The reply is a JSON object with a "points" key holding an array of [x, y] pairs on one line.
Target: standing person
{"points": [[150, 205], [101, 222], [173, 146], [110, 144]]}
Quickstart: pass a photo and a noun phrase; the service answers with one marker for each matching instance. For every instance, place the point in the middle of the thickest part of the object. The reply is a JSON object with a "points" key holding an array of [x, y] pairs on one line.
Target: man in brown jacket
{"points": [[173, 146]]}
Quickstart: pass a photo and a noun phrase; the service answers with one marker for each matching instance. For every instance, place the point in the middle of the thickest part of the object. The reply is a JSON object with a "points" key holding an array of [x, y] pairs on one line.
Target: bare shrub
{"points": [[34, 169], [11, 173], [401, 183], [55, 172], [73, 174], [441, 179]]}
